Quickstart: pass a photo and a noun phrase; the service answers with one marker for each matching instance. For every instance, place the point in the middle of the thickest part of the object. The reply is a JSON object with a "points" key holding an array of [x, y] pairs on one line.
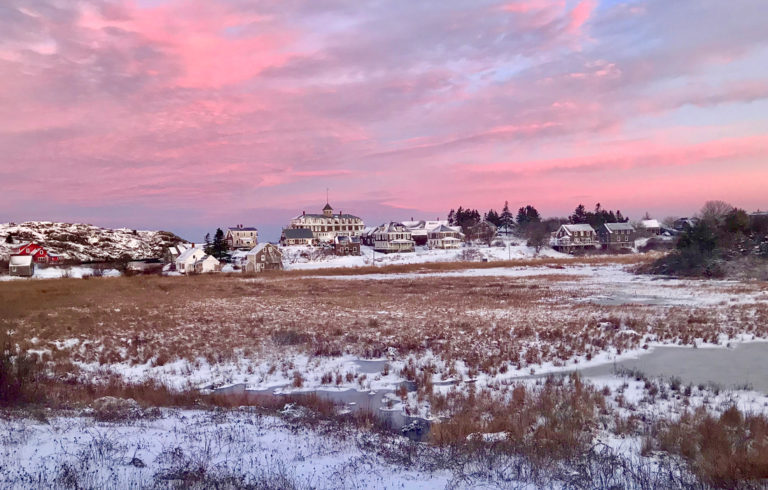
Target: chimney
{"points": [[411, 218], [303, 213]]}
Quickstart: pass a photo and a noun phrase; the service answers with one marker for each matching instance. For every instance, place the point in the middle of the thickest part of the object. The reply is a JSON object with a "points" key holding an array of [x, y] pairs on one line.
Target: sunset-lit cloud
{"points": [[191, 114]]}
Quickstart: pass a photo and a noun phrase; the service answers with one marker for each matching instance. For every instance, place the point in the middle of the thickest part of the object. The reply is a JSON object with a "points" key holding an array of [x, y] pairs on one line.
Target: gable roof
{"points": [[443, 229], [651, 223], [298, 233], [579, 227], [189, 253], [611, 227], [327, 207], [261, 246]]}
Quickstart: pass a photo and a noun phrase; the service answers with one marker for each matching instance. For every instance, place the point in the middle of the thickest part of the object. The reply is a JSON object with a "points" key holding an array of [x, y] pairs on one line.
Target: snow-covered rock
{"points": [[75, 241]]}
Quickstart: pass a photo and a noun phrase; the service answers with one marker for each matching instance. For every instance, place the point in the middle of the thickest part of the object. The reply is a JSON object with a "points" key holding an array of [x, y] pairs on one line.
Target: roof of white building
{"points": [[21, 260], [650, 223], [189, 253]]}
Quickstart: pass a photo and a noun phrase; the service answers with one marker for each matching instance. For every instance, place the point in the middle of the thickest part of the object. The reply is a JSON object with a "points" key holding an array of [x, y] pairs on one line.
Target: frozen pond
{"points": [[375, 402], [744, 365]]}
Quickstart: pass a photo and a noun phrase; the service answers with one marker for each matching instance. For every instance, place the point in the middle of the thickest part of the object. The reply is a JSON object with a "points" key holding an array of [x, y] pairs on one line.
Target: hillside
{"points": [[81, 242]]}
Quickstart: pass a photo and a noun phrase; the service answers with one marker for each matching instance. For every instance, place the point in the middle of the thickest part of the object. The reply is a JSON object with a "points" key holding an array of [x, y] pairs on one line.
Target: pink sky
{"points": [[192, 114]]}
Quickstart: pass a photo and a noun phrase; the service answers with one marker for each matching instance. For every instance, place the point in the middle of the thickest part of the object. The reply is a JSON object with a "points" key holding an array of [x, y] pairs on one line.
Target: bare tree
{"points": [[714, 212], [669, 221]]}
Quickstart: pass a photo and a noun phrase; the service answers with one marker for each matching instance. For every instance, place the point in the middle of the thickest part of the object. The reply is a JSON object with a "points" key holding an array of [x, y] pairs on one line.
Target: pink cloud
{"points": [[169, 106]]}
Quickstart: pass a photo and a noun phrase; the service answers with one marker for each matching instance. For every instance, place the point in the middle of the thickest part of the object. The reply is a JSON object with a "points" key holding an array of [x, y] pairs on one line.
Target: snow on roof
{"points": [[442, 229], [650, 223], [261, 246], [619, 226], [243, 228], [21, 260], [579, 227], [312, 215], [189, 253]]}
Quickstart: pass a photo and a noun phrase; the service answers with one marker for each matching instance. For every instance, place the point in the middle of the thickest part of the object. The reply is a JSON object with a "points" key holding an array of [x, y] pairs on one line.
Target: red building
{"points": [[39, 254]]}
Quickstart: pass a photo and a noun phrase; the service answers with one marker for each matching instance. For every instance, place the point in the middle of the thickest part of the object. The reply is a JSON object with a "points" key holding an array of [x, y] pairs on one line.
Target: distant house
{"points": [[616, 235], [684, 224], [346, 245], [444, 237], [263, 257], [569, 238], [368, 234], [207, 264], [485, 231], [172, 253], [240, 237], [420, 229], [37, 252], [297, 236], [650, 227], [21, 265], [185, 263], [393, 237]]}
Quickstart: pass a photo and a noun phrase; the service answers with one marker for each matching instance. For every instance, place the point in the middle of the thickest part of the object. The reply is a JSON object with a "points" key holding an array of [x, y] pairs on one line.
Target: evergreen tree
{"points": [[452, 217], [219, 245], [506, 219], [527, 215], [207, 247], [9, 238], [579, 215], [493, 217]]}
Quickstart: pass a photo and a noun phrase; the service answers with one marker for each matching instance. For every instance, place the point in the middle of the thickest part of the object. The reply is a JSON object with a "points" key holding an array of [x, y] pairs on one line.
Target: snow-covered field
{"points": [[418, 343], [186, 447], [310, 258]]}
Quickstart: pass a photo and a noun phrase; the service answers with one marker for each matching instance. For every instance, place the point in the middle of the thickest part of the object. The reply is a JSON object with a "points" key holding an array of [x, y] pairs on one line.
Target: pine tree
{"points": [[9, 238], [207, 247], [218, 247], [452, 217], [579, 215], [506, 219]]}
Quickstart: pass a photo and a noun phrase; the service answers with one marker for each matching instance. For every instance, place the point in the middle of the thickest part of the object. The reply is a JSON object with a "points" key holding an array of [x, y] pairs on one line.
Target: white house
{"points": [[240, 237], [393, 237], [444, 237], [207, 264], [185, 262], [650, 227]]}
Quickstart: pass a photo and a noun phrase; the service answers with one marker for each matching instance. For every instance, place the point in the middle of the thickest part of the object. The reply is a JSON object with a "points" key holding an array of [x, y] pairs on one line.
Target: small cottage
{"points": [[263, 257], [185, 263], [346, 245], [297, 236], [650, 227], [207, 264], [616, 235], [21, 266]]}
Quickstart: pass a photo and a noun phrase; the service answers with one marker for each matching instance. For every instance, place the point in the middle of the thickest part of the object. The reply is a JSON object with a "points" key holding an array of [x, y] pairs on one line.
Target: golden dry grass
{"points": [[491, 324]]}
